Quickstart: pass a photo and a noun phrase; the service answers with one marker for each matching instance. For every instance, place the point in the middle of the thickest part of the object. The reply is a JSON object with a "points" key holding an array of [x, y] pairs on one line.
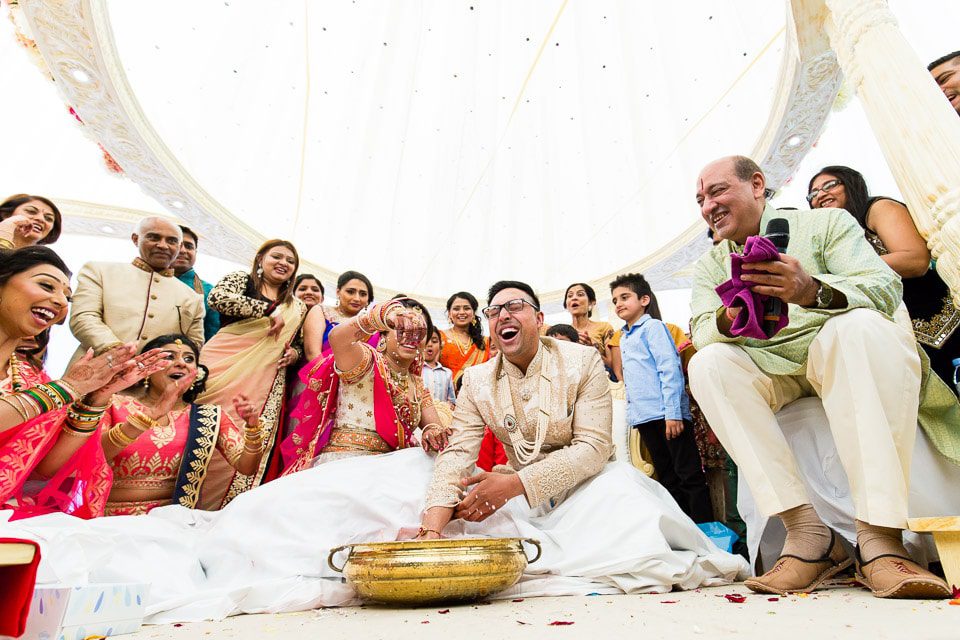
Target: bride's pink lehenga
{"points": [[364, 411]]}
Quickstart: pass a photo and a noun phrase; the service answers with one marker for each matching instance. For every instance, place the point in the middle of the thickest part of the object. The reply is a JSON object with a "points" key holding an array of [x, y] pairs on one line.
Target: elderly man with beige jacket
{"points": [[117, 302]]}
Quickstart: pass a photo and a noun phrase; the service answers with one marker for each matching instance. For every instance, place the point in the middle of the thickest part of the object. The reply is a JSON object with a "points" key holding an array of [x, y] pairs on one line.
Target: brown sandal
{"points": [[892, 576], [791, 574]]}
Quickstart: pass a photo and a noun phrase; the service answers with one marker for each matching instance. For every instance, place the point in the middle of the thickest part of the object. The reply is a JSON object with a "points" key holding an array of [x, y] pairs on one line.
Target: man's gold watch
{"points": [[824, 295]]}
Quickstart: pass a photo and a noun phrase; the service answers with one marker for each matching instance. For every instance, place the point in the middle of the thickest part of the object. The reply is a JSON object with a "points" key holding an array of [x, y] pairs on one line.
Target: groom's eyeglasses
{"points": [[513, 307]]}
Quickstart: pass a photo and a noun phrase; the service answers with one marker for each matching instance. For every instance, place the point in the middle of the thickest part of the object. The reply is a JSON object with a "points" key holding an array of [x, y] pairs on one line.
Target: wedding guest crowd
{"points": [[191, 393]]}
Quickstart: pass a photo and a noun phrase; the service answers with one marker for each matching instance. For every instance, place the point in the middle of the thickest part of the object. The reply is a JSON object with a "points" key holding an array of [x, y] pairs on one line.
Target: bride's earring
{"points": [[260, 271]]}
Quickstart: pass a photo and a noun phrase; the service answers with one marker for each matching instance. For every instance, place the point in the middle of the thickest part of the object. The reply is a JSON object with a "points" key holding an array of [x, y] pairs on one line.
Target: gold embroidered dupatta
{"points": [[242, 358]]}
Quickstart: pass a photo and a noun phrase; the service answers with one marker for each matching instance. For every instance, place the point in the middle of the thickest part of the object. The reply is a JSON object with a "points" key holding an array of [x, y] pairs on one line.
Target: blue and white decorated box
{"points": [[76, 613]]}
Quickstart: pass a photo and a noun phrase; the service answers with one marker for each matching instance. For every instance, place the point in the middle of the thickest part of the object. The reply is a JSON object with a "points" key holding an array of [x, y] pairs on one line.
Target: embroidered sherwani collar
{"points": [[512, 370], [141, 264]]}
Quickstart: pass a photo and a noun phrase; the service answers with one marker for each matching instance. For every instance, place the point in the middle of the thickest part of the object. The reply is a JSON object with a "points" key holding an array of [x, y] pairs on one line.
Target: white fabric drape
{"points": [[267, 551]]}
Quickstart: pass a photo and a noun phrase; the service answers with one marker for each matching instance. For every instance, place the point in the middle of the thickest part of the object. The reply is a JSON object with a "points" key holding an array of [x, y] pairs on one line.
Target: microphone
{"points": [[778, 232]]}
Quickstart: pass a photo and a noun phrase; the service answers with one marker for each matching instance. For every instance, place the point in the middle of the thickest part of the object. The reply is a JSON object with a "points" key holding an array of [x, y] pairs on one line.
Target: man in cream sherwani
{"points": [[119, 302]]}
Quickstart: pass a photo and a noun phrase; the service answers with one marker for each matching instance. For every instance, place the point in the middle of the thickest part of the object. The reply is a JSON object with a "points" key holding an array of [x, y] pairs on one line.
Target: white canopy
{"points": [[435, 145]]}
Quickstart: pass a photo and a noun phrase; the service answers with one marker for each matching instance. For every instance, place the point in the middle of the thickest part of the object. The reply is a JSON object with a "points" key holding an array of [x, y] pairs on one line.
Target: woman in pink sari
{"points": [[159, 443], [48, 459], [259, 318], [365, 400]]}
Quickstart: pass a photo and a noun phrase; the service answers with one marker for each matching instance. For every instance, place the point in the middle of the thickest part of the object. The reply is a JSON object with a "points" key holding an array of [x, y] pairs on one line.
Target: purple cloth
{"points": [[736, 293]]}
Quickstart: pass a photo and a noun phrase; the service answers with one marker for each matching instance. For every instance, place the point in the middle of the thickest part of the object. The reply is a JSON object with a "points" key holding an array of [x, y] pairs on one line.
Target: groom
{"points": [[547, 401]]}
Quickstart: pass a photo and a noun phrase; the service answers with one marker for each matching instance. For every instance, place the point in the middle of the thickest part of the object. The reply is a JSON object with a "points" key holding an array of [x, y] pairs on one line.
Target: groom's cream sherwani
{"points": [[568, 383]]}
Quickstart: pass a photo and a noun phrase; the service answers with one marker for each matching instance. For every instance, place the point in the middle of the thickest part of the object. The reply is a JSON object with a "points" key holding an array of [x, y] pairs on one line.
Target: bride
{"points": [[605, 528]]}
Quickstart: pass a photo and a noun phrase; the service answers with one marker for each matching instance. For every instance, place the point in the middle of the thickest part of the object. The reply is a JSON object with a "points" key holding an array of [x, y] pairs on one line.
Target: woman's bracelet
{"points": [[13, 401], [118, 438], [141, 421], [424, 530], [83, 418], [375, 318]]}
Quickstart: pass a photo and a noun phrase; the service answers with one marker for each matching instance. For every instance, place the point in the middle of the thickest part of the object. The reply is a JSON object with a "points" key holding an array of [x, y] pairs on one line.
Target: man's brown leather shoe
{"points": [[890, 576], [791, 574]]}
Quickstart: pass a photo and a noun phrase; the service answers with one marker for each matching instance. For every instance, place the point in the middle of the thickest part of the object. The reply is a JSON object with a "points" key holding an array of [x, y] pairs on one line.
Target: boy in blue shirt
{"points": [[657, 403], [437, 378]]}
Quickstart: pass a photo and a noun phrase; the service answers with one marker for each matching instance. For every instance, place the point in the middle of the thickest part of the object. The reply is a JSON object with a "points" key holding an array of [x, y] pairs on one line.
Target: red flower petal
{"points": [[561, 623], [444, 611], [735, 598]]}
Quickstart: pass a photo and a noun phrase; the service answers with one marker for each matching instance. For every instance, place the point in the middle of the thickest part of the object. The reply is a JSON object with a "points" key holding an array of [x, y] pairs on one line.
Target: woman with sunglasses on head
{"points": [[367, 400], [889, 228], [464, 344]]}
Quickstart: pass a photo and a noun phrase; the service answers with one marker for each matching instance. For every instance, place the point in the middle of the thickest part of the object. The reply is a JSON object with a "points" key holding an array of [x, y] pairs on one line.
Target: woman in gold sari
{"points": [[259, 318]]}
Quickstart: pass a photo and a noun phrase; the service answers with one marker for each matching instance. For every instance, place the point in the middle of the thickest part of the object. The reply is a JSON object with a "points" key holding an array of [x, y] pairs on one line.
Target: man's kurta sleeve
{"points": [[461, 452], [854, 268], [86, 311]]}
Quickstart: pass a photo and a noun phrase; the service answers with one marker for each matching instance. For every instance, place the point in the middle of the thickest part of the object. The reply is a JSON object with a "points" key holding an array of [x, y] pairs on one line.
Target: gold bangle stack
{"points": [[139, 421], [82, 419], [118, 438], [374, 319], [253, 438], [19, 403]]}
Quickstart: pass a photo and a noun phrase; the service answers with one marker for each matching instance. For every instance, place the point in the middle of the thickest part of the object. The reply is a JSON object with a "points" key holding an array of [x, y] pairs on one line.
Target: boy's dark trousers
{"points": [[679, 467]]}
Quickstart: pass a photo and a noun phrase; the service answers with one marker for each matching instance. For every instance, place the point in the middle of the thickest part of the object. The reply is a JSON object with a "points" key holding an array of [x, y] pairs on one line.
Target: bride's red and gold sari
{"points": [[365, 411]]}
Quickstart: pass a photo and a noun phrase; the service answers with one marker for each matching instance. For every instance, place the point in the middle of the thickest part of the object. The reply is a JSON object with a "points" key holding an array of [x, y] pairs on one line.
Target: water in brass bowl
{"points": [[421, 572]]}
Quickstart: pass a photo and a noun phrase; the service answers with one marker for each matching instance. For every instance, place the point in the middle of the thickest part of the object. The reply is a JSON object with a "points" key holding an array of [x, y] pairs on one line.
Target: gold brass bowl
{"points": [[431, 571]]}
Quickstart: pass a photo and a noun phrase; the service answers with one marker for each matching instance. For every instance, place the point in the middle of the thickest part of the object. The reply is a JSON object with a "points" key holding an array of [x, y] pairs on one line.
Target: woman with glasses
{"points": [[889, 228]]}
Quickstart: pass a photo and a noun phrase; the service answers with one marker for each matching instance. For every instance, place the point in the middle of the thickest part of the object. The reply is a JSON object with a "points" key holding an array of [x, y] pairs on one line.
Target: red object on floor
{"points": [[491, 451], [16, 592]]}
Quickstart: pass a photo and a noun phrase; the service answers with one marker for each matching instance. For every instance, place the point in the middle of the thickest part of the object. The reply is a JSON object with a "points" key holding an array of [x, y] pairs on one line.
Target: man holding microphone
{"points": [[839, 343]]}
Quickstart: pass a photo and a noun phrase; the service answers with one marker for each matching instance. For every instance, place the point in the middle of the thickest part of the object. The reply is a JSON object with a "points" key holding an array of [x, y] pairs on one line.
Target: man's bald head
{"points": [[158, 240], [731, 195]]}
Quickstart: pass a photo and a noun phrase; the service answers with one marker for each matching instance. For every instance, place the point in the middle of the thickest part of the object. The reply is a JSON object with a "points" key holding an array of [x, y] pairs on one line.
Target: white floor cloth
{"points": [[621, 532], [933, 485]]}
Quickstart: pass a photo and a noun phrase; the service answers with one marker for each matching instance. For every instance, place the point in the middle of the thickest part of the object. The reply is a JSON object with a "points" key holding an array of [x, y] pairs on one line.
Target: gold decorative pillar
{"points": [[917, 129]]}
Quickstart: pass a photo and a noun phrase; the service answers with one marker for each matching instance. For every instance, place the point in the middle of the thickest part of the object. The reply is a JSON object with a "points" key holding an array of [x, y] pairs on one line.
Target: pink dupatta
{"points": [[79, 488], [316, 411]]}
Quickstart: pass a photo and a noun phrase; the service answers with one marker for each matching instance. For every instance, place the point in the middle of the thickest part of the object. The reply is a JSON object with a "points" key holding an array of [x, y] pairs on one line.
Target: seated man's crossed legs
{"points": [[866, 370]]}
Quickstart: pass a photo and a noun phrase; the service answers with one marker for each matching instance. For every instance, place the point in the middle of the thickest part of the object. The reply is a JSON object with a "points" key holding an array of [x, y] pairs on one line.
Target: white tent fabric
{"points": [[554, 141]]}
